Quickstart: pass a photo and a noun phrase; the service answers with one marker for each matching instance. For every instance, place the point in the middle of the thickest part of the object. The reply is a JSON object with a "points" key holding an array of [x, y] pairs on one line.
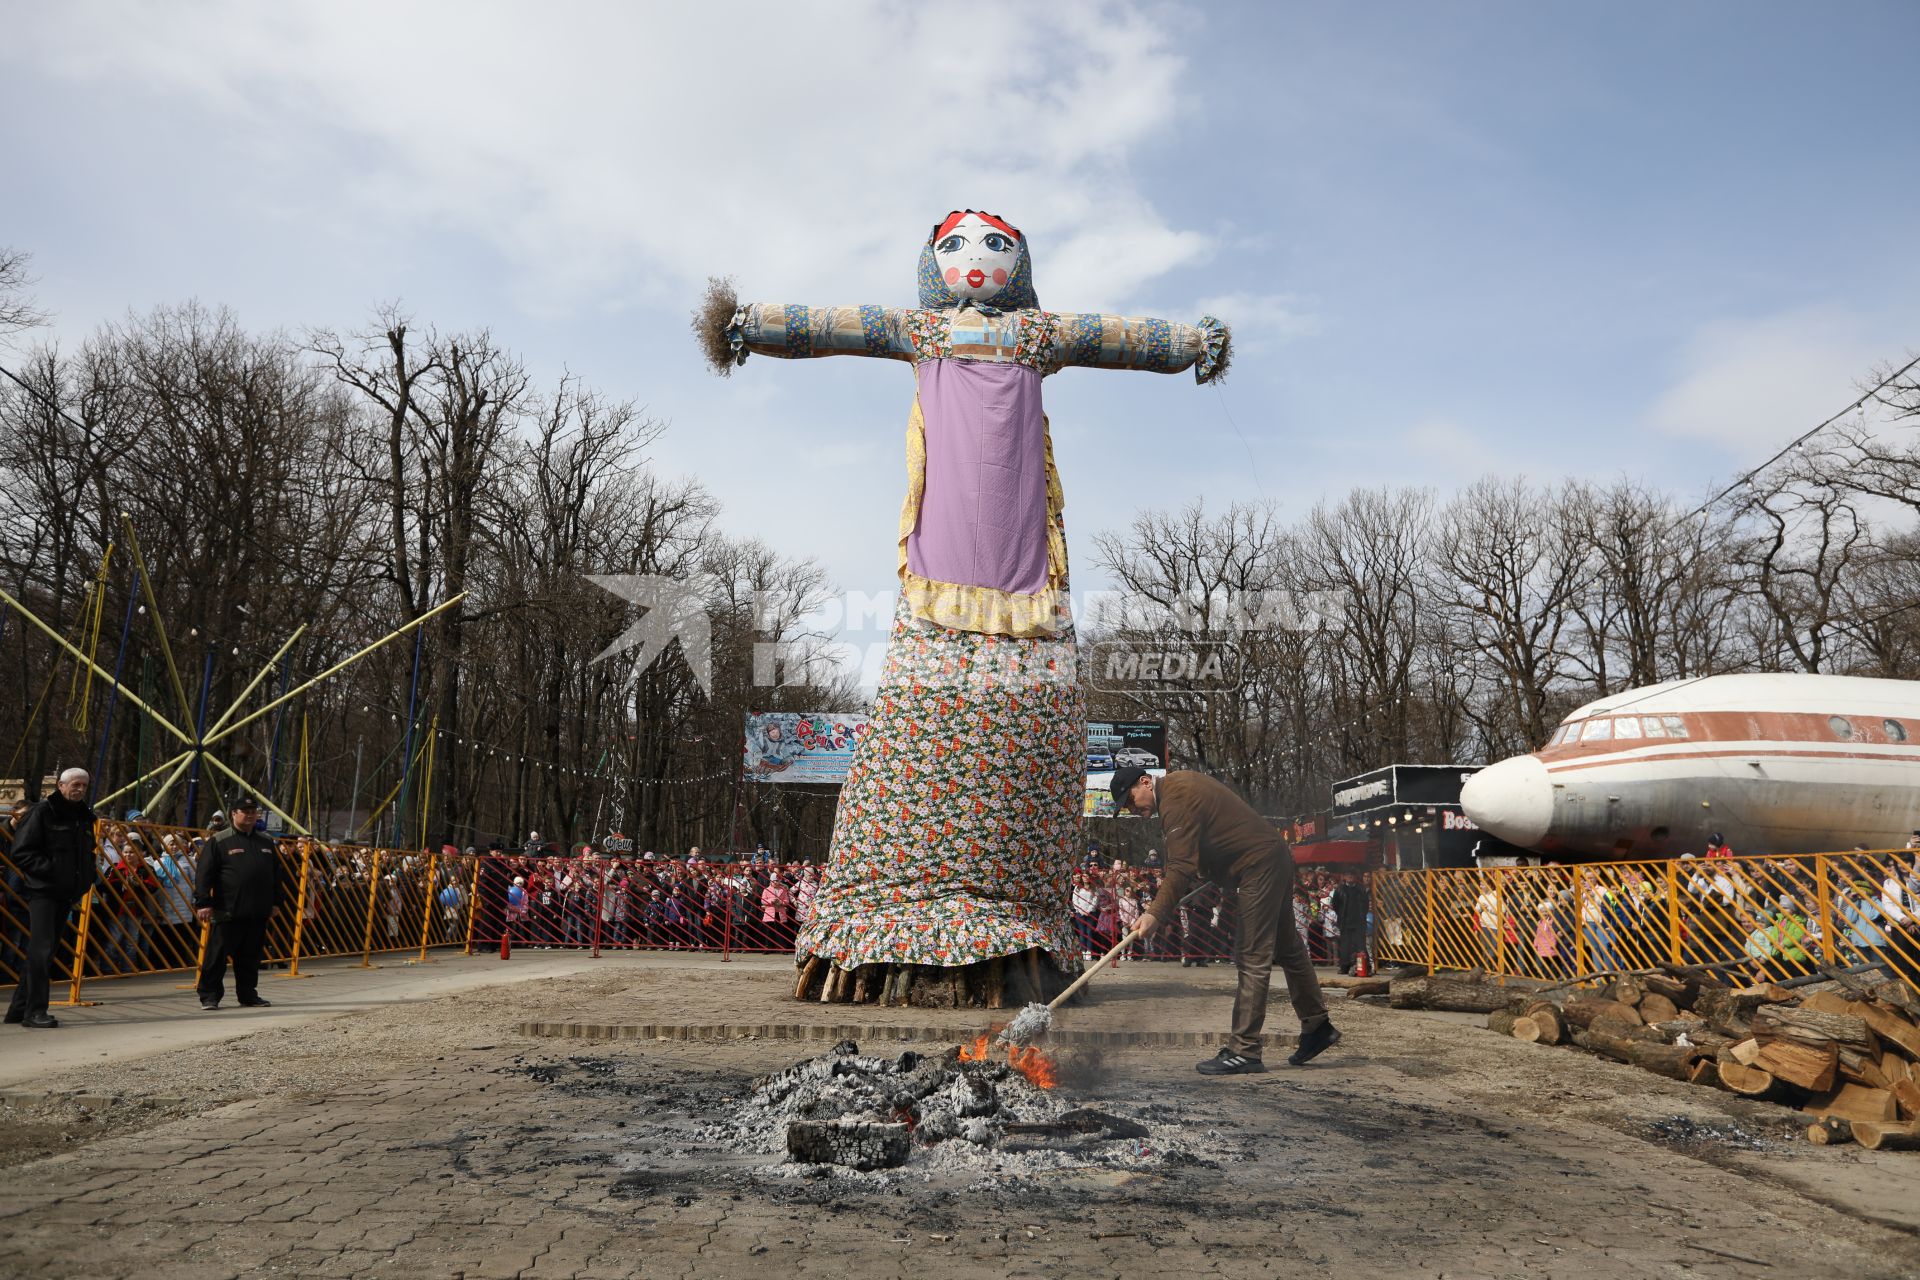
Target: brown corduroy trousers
{"points": [[1266, 931]]}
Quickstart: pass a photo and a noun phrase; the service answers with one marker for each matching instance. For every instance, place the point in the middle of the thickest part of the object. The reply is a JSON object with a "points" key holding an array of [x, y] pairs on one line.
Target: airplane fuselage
{"points": [[1775, 763]]}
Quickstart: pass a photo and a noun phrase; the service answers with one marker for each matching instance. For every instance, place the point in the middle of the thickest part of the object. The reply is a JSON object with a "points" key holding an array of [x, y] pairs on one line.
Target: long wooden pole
{"points": [[248, 787], [332, 670], [61, 640], [255, 684], [182, 760], [159, 627]]}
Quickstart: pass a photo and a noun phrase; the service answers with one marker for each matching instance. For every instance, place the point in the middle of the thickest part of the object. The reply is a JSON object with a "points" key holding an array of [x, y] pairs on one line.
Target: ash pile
{"points": [[845, 1112]]}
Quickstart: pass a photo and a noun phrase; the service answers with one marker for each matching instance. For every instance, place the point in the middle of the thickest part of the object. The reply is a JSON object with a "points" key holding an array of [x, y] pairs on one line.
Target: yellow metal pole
{"points": [[182, 760], [61, 640], [336, 667], [255, 683], [248, 787], [80, 952], [1673, 912], [426, 910], [473, 902], [1426, 878], [98, 602], [1829, 945], [373, 893], [382, 807], [199, 959], [426, 791], [300, 910], [159, 627], [1579, 920], [1500, 910]]}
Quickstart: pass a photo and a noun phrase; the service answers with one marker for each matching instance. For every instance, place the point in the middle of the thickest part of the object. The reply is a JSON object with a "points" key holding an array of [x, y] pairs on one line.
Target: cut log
{"points": [[1727, 1010], [1890, 1026], [1610, 1025], [1681, 992], [1626, 988], [1705, 1072], [1655, 1007], [1829, 1132], [1829, 1002], [1906, 1095], [809, 974], [1501, 1022], [1581, 1013], [1672, 1061], [1750, 1082], [1841, 1030], [1863, 1068], [1768, 993], [1882, 1135], [1525, 1029], [1746, 1052], [1811, 1067], [1451, 994], [1546, 1015], [1895, 1068], [997, 982], [1369, 987], [1854, 1102]]}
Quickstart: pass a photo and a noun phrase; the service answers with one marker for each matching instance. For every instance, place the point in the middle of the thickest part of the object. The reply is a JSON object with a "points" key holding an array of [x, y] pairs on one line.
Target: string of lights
{"points": [[1800, 440]]}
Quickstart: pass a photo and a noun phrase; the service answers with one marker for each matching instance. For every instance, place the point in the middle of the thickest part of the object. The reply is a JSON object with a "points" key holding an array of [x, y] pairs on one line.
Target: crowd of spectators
{"points": [[1757, 918]]}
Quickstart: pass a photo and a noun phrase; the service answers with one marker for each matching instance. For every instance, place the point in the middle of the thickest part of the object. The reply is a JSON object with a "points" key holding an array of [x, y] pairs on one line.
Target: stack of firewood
{"points": [[1842, 1048]]}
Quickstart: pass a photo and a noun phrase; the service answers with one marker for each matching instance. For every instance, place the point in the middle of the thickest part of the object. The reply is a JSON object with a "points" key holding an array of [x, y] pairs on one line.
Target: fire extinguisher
{"points": [[1362, 966]]}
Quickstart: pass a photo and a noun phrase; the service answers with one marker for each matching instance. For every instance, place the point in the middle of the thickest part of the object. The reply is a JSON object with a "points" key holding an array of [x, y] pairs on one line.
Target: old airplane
{"points": [[1775, 763]]}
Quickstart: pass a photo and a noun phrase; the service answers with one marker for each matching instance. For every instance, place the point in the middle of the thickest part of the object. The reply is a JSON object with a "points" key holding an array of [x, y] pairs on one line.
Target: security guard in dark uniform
{"points": [[236, 887]]}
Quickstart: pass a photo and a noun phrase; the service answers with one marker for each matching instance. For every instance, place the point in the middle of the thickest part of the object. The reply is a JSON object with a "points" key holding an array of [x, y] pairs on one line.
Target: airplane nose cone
{"points": [[1512, 799]]}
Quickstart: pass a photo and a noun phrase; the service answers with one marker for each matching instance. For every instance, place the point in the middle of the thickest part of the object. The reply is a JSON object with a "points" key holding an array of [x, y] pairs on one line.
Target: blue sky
{"points": [[1646, 239]]}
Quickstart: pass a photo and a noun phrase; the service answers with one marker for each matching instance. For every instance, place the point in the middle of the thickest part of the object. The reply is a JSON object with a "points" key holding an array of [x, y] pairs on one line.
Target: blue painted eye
{"points": [[950, 245], [998, 243]]}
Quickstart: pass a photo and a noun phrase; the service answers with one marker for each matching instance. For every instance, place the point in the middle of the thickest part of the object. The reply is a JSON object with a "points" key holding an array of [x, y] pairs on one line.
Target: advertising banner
{"points": [[800, 746], [1116, 744]]}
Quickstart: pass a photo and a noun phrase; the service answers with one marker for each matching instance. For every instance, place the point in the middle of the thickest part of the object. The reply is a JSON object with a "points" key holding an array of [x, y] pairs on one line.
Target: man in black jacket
{"points": [[1350, 906], [53, 849], [236, 886]]}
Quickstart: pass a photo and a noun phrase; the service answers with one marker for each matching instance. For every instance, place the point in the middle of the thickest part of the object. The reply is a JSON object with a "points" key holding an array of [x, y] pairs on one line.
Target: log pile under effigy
{"points": [[1025, 977]]}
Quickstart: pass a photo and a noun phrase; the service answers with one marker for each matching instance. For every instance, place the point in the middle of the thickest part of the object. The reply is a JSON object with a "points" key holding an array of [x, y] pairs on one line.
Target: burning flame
{"points": [[1036, 1066]]}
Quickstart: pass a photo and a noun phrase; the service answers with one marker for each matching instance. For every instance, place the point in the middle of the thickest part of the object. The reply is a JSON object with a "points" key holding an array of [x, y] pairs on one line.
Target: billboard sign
{"points": [[1116, 744], [801, 746]]}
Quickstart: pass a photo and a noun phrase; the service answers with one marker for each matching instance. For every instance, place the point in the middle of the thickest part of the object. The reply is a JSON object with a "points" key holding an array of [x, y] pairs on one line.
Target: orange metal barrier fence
{"points": [[1751, 917], [335, 901]]}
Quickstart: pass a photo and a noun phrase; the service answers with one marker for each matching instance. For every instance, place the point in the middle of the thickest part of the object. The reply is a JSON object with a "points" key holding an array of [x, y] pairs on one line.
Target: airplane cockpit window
{"points": [[1597, 730], [1676, 727], [1560, 735], [1842, 727], [1896, 732], [1655, 728], [1627, 727]]}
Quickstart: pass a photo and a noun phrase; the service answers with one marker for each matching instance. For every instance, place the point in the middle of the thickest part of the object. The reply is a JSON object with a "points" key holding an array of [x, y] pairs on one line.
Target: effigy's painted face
{"points": [[975, 257]]}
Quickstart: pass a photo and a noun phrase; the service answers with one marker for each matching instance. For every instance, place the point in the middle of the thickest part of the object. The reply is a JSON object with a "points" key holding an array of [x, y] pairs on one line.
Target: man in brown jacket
{"points": [[1212, 833]]}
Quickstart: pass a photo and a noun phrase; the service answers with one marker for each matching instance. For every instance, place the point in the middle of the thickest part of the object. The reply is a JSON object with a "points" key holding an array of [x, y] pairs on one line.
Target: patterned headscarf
{"points": [[1016, 295]]}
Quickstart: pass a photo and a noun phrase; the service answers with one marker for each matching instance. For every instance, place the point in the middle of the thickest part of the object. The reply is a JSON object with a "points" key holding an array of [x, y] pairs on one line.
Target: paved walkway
{"points": [[140, 1016], [401, 1125]]}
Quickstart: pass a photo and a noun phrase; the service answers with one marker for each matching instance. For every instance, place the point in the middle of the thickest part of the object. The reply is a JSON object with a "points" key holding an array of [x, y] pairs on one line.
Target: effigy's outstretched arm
{"points": [[730, 330], [1097, 341]]}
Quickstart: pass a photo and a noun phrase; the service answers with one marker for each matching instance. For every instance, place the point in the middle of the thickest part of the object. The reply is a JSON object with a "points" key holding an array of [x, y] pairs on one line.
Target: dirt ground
{"points": [[440, 1139]]}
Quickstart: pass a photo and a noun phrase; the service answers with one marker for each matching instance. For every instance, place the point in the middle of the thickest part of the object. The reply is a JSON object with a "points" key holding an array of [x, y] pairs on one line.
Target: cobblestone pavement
{"points": [[433, 1140]]}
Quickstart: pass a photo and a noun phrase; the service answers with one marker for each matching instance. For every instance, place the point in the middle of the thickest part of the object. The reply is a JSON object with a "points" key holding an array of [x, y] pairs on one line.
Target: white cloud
{"points": [[1261, 321], [1755, 384], [626, 152]]}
